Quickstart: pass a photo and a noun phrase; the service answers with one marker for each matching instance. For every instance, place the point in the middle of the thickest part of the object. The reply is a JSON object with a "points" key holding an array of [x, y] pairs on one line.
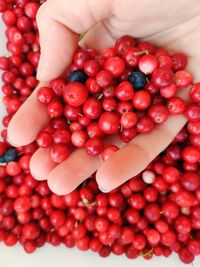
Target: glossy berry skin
{"points": [[44, 140], [45, 95], [109, 122], [162, 77], [75, 94], [114, 65], [191, 154], [79, 138], [30, 231], [190, 181], [59, 153], [147, 64], [123, 43], [176, 105], [195, 93], [141, 100], [137, 79], [179, 61], [124, 91], [192, 112], [10, 155], [104, 79], [55, 109], [91, 68], [78, 76], [92, 108], [183, 78], [128, 120], [94, 146], [158, 113]]}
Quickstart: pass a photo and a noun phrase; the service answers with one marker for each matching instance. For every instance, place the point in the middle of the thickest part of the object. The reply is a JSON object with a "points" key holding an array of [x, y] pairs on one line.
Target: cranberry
{"points": [[141, 100], [94, 146], [124, 43], [114, 65], [45, 95], [30, 231], [59, 153], [183, 78], [75, 94], [92, 108], [158, 113], [195, 93], [185, 255], [124, 91], [162, 77], [147, 64]]}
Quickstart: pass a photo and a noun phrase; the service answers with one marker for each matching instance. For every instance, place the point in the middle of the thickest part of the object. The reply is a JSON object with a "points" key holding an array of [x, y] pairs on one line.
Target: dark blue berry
{"points": [[78, 76], [137, 79], [2, 159], [11, 155]]}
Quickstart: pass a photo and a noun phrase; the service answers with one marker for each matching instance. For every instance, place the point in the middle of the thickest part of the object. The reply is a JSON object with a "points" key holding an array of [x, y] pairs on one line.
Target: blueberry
{"points": [[78, 76], [2, 159], [10, 155], [137, 79]]}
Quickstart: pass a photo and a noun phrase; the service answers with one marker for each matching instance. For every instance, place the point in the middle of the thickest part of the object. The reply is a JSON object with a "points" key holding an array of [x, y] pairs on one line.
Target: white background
{"points": [[49, 256]]}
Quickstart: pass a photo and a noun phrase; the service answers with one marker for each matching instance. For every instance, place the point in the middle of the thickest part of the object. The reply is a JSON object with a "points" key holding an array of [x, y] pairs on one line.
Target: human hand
{"points": [[171, 25]]}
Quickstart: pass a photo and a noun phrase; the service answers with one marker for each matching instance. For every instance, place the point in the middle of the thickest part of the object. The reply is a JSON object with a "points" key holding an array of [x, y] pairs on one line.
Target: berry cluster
{"points": [[123, 90]]}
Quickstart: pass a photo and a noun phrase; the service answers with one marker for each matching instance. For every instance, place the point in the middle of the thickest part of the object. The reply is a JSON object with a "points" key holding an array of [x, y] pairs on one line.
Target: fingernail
{"points": [[104, 190]]}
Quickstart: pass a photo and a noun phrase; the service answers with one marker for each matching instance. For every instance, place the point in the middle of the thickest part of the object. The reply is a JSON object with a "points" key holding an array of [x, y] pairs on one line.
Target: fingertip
{"points": [[41, 164]]}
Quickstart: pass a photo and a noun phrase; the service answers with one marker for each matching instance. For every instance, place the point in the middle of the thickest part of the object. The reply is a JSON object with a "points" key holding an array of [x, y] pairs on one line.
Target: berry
{"points": [[137, 79], [78, 76], [75, 94]]}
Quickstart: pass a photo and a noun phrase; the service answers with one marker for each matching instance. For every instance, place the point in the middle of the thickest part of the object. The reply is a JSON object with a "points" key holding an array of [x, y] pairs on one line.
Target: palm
{"points": [[170, 31]]}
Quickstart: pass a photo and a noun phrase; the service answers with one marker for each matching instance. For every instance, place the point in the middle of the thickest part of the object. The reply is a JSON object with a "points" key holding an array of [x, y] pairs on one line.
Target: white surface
{"points": [[49, 256]]}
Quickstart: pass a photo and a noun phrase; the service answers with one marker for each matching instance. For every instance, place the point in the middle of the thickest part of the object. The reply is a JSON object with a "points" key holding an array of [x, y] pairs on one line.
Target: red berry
{"points": [[109, 122], [124, 91], [59, 152], [147, 64], [75, 94], [114, 65]]}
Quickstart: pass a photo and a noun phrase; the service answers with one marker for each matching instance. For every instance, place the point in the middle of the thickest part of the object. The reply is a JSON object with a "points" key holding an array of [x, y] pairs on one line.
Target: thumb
{"points": [[59, 26], [98, 37]]}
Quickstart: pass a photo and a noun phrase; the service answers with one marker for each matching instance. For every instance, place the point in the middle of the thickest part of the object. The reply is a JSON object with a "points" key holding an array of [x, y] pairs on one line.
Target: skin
{"points": [[173, 25]]}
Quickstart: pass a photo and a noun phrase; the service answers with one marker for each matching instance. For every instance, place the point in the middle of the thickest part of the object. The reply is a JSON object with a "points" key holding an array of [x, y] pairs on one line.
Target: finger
{"points": [[59, 26], [69, 174], [133, 158], [99, 37], [30, 119], [41, 164], [66, 176]]}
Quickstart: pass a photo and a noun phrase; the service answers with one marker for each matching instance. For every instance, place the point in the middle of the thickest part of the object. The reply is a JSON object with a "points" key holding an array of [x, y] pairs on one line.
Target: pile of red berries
{"points": [[124, 90]]}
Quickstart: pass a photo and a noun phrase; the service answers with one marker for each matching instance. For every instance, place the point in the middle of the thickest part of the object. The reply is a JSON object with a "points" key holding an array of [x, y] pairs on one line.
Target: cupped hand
{"points": [[172, 24]]}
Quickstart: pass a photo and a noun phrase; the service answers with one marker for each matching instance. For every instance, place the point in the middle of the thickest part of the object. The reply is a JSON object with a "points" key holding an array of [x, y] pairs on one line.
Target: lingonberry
{"points": [[141, 100], [176, 105], [59, 152], [147, 64], [94, 146], [162, 77], [109, 122], [92, 108], [45, 95], [75, 94], [183, 78], [158, 113]]}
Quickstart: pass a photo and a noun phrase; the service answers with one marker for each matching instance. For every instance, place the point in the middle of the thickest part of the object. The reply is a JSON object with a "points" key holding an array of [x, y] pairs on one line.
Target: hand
{"points": [[174, 24]]}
